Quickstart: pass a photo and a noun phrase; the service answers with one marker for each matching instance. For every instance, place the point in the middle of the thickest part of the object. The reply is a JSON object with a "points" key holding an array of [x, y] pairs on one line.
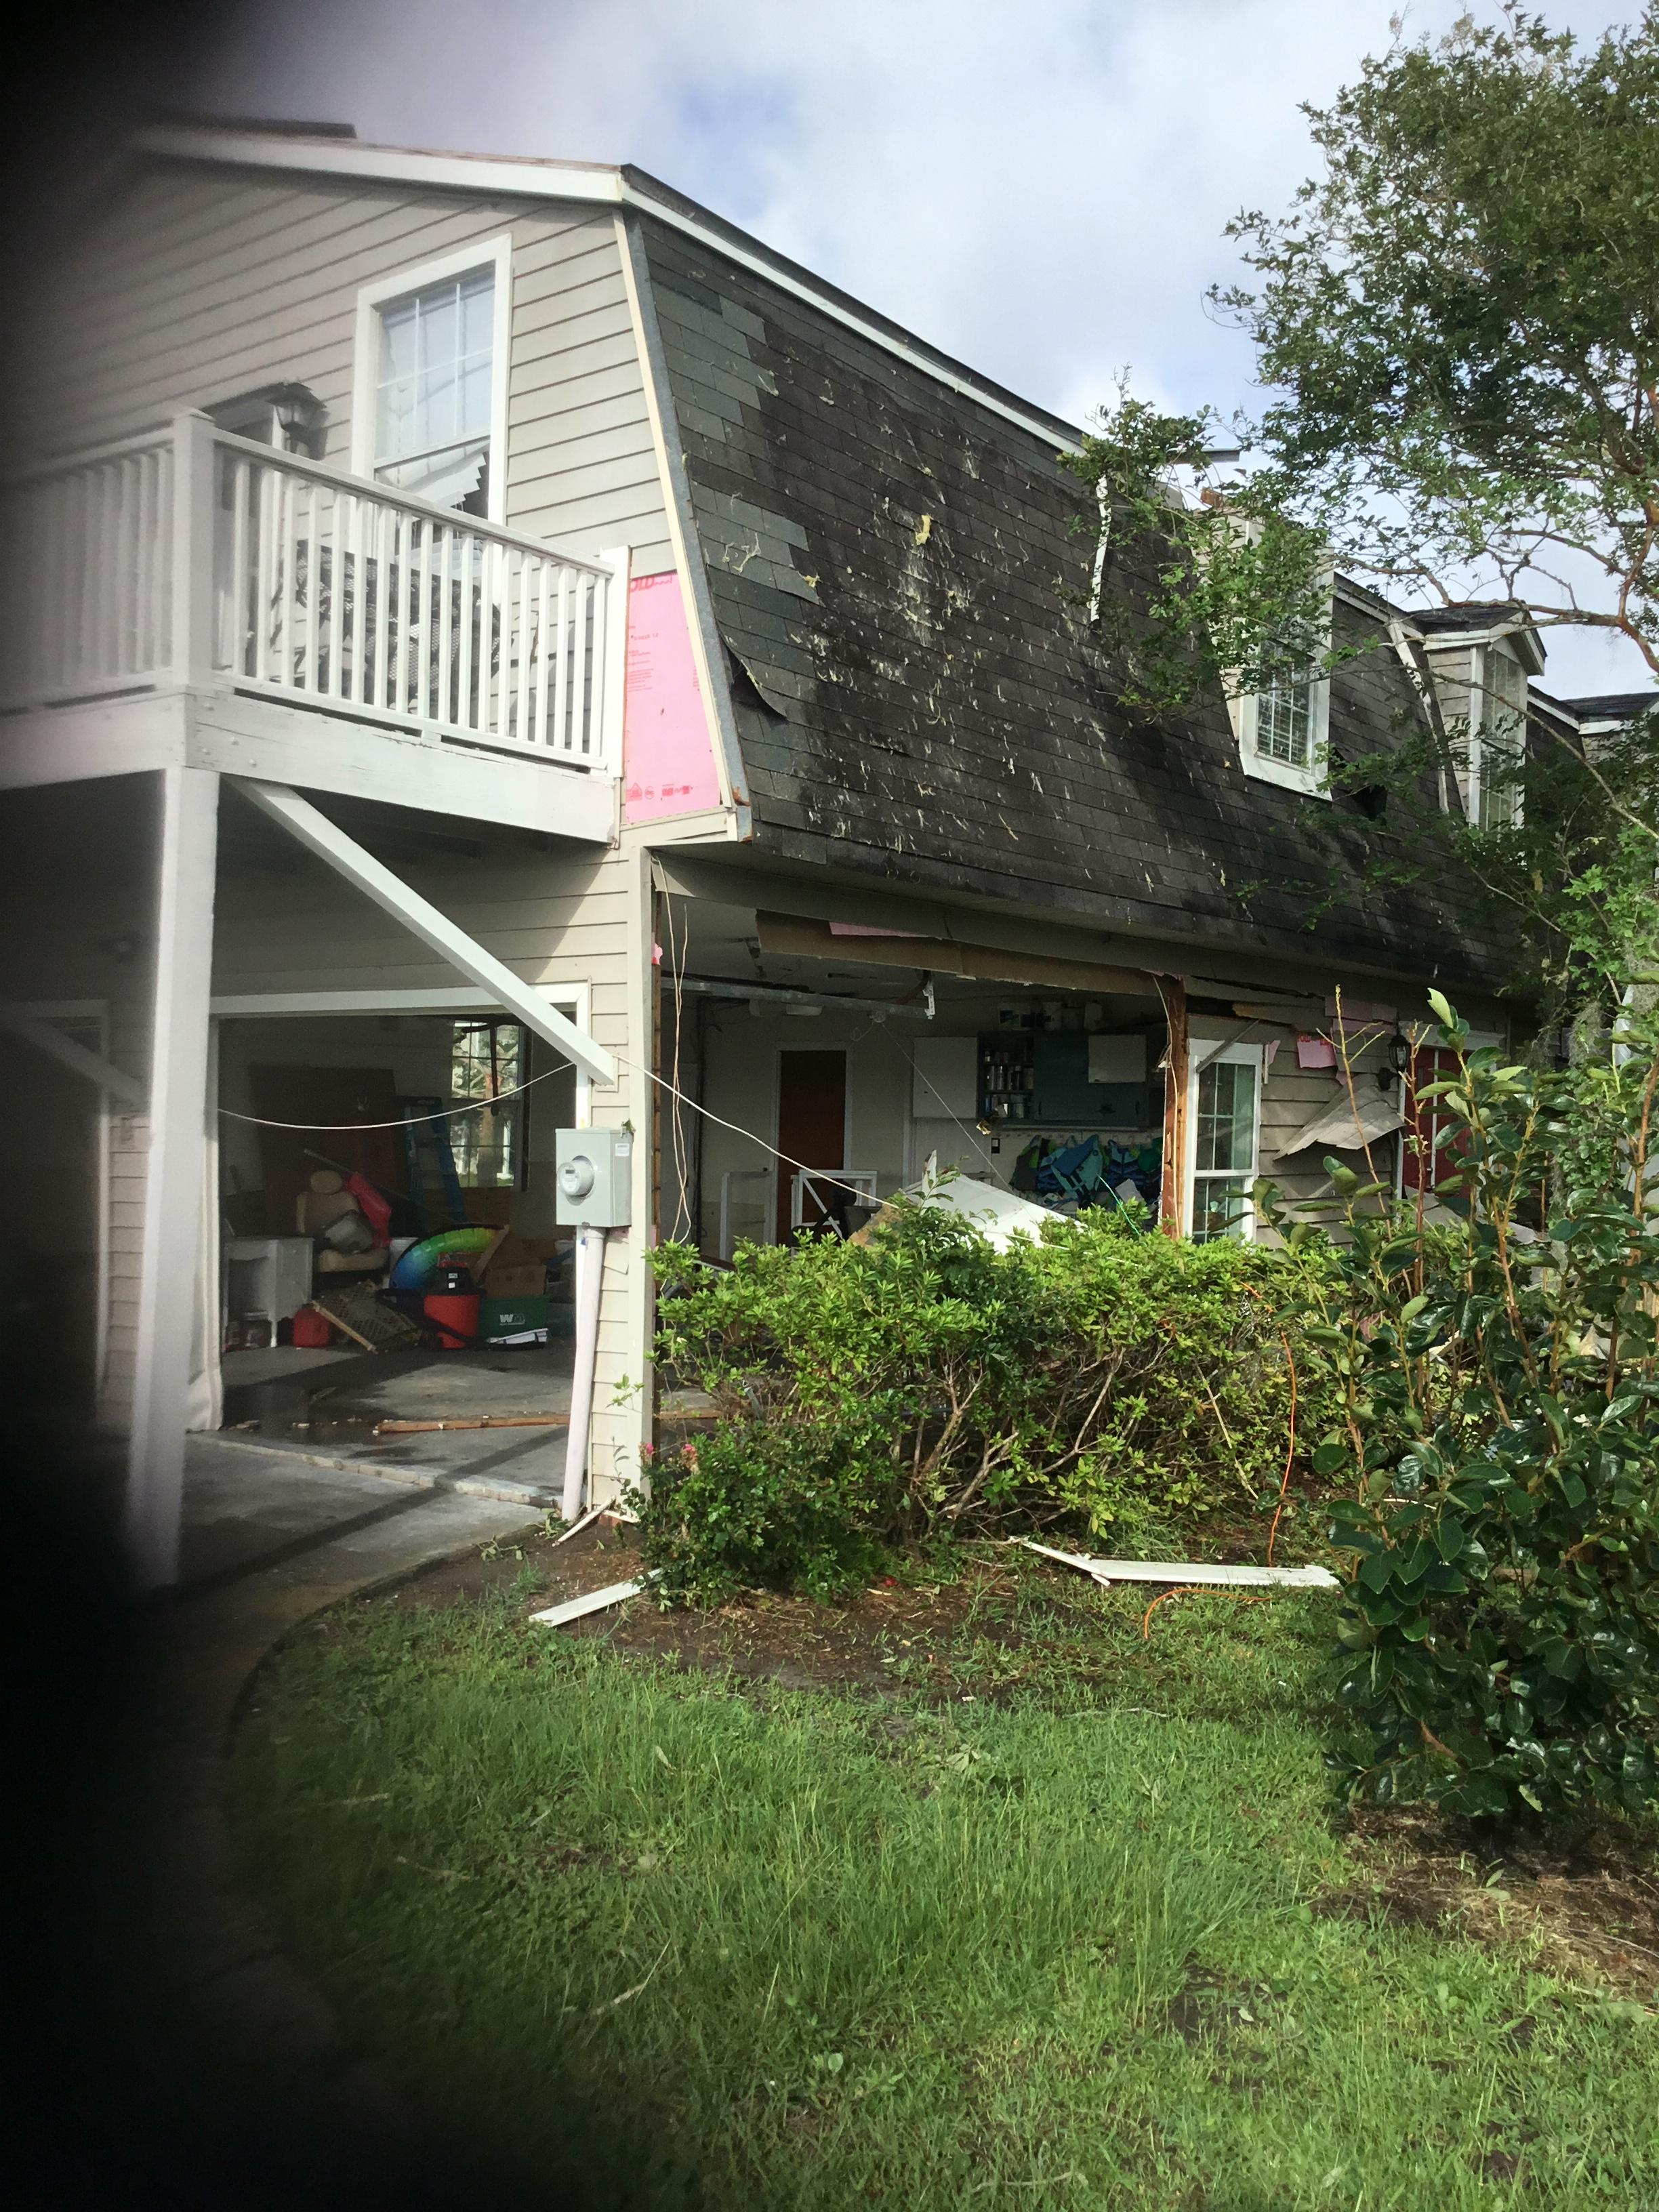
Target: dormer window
{"points": [[1283, 728], [1284, 721], [1497, 740], [431, 385]]}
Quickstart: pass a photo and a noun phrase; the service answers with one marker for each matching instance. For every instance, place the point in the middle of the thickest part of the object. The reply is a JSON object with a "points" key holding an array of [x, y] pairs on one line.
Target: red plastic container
{"points": [[455, 1316], [312, 1331]]}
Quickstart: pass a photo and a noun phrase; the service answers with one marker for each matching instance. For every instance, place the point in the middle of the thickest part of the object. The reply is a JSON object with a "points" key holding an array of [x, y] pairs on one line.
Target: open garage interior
{"points": [[837, 1064], [388, 1253]]}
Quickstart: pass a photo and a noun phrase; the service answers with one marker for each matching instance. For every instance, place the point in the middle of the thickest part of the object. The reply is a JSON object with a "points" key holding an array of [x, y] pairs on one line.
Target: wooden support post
{"points": [[657, 952], [173, 1174], [613, 659], [1172, 1195]]}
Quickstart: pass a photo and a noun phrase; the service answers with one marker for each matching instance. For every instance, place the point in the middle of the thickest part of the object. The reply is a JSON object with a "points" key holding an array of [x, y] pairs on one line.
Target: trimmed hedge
{"points": [[874, 1393]]}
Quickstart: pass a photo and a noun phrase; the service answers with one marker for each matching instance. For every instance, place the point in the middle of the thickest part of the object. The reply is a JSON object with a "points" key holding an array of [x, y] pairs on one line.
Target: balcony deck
{"points": [[189, 595]]}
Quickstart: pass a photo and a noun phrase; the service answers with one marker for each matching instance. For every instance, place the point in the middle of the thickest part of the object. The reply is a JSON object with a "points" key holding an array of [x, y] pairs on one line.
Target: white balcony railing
{"points": [[193, 556]]}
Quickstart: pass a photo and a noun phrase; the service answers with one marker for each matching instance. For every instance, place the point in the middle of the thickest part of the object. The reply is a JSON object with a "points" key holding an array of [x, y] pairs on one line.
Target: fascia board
{"points": [[1524, 638], [393, 165], [590, 186], [1348, 593]]}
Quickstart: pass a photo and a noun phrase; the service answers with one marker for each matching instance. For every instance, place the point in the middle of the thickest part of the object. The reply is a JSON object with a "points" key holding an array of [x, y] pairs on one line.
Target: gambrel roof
{"points": [[897, 561]]}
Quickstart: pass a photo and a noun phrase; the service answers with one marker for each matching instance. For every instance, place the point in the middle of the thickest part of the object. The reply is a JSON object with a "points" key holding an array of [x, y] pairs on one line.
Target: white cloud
{"points": [[1040, 191]]}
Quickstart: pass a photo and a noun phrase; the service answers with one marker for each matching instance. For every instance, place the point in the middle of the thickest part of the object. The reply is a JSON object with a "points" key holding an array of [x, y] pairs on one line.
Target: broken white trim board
{"points": [[1108, 1571], [597, 1601]]}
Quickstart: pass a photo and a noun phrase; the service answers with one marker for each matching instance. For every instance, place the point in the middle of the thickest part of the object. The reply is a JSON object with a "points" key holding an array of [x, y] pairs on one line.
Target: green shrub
{"points": [[1494, 1360], [877, 1393]]}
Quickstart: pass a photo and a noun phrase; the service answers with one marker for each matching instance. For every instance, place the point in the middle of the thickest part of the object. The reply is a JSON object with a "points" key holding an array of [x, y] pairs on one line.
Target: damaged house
{"points": [[495, 652]]}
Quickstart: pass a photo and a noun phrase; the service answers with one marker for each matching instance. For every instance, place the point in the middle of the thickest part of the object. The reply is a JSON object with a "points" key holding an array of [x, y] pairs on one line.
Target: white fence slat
{"points": [[446, 621], [579, 668], [324, 588], [543, 570]]}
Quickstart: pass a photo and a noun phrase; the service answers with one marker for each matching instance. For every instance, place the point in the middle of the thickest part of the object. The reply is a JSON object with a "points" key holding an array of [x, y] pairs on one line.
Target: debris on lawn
{"points": [[597, 1601], [1108, 1571], [474, 1421], [575, 1529]]}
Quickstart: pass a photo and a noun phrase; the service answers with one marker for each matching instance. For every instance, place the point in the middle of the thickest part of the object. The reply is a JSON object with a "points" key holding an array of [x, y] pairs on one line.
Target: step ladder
{"points": [[430, 1163]]}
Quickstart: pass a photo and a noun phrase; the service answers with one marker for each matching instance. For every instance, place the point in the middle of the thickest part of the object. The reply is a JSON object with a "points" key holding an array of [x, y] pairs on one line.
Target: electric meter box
{"points": [[593, 1178]]}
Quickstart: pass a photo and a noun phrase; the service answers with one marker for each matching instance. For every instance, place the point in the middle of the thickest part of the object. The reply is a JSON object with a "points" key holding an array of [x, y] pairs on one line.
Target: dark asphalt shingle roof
{"points": [[900, 575]]}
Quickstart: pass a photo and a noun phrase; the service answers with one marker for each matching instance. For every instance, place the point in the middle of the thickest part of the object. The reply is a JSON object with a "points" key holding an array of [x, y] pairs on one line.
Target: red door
{"points": [[1427, 1159], [811, 1129]]}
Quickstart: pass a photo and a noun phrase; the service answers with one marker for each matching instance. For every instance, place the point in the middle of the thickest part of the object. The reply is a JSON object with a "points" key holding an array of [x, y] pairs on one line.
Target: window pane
{"points": [[1502, 740], [439, 325], [434, 387], [1507, 680], [1283, 723], [398, 340], [485, 1061], [435, 414], [1226, 1117], [472, 398], [477, 306], [1220, 1206]]}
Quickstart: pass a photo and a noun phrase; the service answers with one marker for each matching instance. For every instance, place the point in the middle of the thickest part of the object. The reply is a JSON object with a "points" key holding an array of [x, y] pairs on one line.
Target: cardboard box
{"points": [[517, 1268]]}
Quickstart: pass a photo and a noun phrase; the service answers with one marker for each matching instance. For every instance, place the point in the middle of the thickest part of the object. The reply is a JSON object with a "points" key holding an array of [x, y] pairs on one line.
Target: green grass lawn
{"points": [[700, 1945]]}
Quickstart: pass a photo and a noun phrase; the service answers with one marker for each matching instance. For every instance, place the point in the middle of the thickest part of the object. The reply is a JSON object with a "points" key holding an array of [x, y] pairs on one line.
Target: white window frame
{"points": [[1312, 781], [493, 253], [1480, 690], [1202, 1052]]}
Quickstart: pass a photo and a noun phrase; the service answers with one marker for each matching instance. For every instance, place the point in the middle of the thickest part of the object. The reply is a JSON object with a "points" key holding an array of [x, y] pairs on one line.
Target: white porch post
{"points": [[173, 1188]]}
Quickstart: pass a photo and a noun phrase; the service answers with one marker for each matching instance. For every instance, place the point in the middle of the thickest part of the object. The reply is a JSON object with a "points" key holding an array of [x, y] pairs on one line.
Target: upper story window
{"points": [[1282, 729], [429, 415], [1497, 741]]}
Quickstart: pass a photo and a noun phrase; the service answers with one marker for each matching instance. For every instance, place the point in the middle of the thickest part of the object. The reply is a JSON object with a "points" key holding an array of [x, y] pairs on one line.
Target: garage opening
{"points": [[388, 1257]]}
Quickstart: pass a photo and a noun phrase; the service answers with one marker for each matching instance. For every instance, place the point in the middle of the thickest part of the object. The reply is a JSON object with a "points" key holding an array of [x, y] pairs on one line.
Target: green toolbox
{"points": [[499, 1318]]}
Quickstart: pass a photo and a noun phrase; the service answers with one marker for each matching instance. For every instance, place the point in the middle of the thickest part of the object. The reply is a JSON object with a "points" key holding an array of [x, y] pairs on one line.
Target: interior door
{"points": [[811, 1129]]}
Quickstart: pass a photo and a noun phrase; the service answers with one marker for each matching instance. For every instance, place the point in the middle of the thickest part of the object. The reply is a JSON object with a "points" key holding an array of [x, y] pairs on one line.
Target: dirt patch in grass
{"points": [[1585, 1901], [944, 1639], [988, 1623]]}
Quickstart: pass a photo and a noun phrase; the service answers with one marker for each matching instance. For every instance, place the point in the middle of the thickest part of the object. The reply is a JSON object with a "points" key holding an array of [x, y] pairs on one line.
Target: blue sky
{"points": [[1041, 190]]}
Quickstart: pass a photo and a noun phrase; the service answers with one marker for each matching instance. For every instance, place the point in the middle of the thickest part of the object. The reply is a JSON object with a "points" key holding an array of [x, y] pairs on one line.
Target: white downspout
{"points": [[590, 1280]]}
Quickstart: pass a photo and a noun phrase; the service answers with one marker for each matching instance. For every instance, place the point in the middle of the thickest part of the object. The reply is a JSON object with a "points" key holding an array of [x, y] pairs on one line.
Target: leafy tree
{"points": [[1495, 1361], [1457, 324]]}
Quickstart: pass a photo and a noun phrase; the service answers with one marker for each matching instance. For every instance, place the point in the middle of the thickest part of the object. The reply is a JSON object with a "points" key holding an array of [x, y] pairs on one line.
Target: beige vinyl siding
{"points": [[194, 285], [1292, 1096]]}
